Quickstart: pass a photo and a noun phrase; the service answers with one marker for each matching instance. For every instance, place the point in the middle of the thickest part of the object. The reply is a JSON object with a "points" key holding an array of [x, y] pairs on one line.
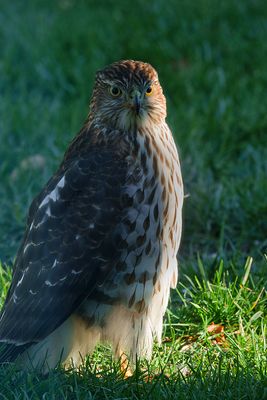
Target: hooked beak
{"points": [[137, 103]]}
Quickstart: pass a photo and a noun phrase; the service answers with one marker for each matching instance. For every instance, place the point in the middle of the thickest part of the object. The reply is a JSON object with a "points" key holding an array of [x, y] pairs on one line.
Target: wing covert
{"points": [[69, 246]]}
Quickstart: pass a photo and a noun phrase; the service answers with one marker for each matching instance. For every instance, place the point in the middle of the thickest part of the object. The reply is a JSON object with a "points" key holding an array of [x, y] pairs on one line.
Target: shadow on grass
{"points": [[90, 383]]}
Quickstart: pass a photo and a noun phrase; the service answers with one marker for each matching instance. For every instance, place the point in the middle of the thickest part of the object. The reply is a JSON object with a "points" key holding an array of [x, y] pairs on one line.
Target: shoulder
{"points": [[96, 140], [96, 156]]}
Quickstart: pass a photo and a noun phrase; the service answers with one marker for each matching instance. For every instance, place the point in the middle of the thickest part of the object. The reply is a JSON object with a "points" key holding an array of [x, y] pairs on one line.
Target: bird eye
{"points": [[115, 91], [149, 91]]}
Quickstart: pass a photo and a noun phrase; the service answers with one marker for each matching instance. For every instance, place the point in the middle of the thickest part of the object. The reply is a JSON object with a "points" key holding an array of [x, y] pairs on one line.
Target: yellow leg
{"points": [[124, 365]]}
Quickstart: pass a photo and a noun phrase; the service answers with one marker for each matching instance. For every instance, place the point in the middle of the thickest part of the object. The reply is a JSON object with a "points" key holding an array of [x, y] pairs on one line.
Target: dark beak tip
{"points": [[137, 105]]}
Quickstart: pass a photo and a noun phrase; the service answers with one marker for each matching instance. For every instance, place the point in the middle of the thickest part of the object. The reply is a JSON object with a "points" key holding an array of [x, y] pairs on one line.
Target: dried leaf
{"points": [[215, 328], [167, 339], [218, 330]]}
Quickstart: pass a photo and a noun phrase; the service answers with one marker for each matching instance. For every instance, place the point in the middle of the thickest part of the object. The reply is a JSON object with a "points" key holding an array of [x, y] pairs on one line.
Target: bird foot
{"points": [[124, 366]]}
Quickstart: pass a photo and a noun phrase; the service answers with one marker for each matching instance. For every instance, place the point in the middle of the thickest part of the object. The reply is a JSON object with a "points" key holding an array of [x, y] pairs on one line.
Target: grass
{"points": [[191, 363], [211, 57]]}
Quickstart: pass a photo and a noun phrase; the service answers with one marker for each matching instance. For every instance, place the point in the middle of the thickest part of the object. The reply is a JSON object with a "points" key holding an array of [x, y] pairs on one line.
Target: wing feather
{"points": [[69, 246]]}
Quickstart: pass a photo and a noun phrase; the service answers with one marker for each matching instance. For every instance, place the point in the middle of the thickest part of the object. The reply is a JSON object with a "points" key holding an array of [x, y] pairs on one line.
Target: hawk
{"points": [[98, 257]]}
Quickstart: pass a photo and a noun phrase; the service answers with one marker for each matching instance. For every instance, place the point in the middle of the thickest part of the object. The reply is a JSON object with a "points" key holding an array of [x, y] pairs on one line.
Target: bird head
{"points": [[127, 94]]}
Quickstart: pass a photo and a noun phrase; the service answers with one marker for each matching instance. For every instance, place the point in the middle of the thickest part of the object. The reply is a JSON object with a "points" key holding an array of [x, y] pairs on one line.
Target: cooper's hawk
{"points": [[98, 257]]}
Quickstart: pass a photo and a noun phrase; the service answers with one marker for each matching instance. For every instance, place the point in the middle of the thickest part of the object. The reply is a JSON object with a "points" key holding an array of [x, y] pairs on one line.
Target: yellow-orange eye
{"points": [[115, 91], [149, 91]]}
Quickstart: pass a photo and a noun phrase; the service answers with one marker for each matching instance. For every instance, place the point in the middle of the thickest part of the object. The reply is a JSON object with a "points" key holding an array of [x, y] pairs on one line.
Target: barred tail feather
{"points": [[10, 351]]}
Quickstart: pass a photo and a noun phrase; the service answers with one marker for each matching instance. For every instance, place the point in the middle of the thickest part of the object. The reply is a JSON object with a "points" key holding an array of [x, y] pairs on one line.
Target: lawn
{"points": [[211, 57]]}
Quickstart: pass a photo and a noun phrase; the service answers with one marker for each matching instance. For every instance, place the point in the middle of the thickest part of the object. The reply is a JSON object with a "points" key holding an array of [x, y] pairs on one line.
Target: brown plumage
{"points": [[98, 256]]}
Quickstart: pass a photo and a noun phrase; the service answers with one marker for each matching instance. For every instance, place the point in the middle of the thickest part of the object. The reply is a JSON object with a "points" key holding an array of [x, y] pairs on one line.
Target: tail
{"points": [[10, 351]]}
